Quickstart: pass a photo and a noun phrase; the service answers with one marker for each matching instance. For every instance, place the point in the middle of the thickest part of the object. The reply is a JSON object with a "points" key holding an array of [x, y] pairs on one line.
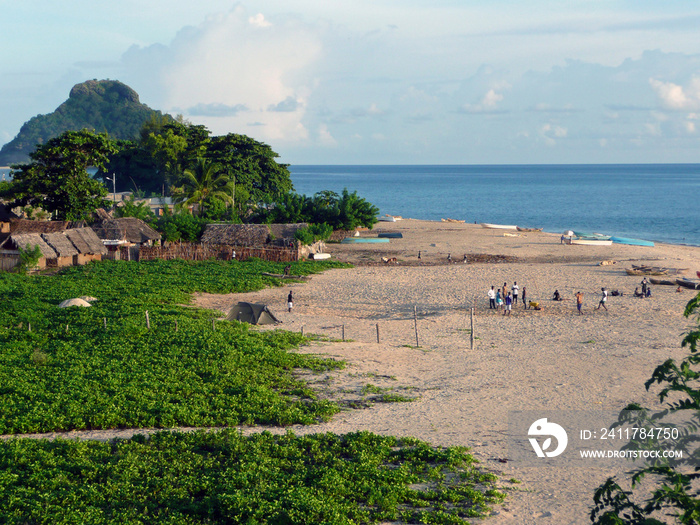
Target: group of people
{"points": [[646, 289], [505, 298]]}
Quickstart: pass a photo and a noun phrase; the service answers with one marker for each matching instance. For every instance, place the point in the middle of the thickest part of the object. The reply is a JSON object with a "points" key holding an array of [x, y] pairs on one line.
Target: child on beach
{"points": [[579, 302], [499, 300]]}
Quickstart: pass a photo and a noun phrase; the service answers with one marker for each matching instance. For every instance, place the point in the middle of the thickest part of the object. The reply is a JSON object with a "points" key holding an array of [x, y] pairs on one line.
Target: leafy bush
{"points": [[180, 227], [673, 481], [223, 477], [130, 208], [344, 212], [28, 258], [313, 233]]}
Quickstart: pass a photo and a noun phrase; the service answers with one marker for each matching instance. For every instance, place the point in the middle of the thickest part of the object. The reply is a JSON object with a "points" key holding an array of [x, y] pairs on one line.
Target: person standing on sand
{"points": [[499, 300], [524, 297], [509, 304], [290, 301], [579, 302], [492, 299], [515, 289], [603, 298], [503, 290]]}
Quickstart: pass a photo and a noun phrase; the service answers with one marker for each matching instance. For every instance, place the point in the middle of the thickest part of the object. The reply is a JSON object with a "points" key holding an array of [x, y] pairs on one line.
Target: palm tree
{"points": [[204, 183]]}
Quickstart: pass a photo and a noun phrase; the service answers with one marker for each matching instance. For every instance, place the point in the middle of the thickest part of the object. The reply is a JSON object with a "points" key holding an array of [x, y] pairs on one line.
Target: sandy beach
{"points": [[551, 359], [547, 359]]}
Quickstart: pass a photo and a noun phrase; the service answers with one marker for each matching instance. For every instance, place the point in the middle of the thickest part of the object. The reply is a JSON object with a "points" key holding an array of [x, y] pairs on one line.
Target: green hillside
{"points": [[97, 105]]}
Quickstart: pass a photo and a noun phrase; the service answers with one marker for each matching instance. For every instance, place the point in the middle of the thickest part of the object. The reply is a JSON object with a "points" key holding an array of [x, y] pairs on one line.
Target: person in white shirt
{"points": [[515, 289], [603, 298], [492, 299]]}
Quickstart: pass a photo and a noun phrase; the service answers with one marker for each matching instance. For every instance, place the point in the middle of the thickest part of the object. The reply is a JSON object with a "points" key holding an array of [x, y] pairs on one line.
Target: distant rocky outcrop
{"points": [[98, 105]]}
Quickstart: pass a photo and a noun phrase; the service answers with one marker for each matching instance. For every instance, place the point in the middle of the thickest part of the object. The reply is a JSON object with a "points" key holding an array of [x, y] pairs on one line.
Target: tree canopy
{"points": [[157, 162], [57, 179], [342, 212]]}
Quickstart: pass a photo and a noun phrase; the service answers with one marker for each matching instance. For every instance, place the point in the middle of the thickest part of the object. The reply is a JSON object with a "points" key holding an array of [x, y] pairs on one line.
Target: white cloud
{"points": [[232, 62], [488, 103], [674, 96], [325, 137], [550, 132]]}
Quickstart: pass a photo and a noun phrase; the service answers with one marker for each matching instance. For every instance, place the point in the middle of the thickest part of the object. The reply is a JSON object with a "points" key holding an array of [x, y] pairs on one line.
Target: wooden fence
{"points": [[200, 252]]}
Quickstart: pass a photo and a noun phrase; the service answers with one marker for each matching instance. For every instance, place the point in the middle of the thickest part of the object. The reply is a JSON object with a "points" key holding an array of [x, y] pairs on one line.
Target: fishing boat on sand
{"points": [[591, 235], [688, 283], [667, 282], [631, 242], [591, 242], [361, 240], [498, 226]]}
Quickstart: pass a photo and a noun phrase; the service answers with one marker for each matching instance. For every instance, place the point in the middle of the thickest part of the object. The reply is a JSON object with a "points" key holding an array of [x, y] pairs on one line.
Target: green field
{"points": [[102, 368], [70, 372]]}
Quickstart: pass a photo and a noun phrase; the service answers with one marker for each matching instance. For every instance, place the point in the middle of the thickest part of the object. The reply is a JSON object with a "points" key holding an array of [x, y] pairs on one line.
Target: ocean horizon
{"points": [[656, 202]]}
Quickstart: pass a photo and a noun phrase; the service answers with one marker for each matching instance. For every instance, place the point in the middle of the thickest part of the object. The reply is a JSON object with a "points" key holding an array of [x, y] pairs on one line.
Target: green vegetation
{"points": [[205, 184], [101, 367], [156, 164], [226, 178], [665, 487], [70, 372], [223, 477], [105, 106], [28, 258], [313, 233], [341, 212], [57, 179]]}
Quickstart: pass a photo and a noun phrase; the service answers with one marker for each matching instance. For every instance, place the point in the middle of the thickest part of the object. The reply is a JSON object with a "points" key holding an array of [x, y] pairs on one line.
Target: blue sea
{"points": [[657, 202]]}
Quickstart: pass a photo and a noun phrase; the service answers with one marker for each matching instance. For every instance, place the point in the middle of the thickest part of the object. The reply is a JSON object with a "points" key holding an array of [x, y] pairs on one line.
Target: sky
{"points": [[378, 81]]}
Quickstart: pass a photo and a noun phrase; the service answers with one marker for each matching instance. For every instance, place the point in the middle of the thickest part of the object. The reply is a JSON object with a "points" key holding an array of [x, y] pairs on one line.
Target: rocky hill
{"points": [[98, 105]]}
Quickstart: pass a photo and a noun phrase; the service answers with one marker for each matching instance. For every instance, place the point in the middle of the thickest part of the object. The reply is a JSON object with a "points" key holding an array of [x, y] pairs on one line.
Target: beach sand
{"points": [[552, 359]]}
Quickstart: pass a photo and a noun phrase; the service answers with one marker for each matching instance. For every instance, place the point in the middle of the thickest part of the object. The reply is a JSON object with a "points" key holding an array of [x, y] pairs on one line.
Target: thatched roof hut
{"points": [[286, 231], [22, 226], [129, 229], [86, 241], [27, 241], [249, 234], [61, 244]]}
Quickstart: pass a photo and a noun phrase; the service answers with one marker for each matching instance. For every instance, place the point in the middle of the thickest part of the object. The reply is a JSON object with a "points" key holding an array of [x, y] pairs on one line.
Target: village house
{"points": [[124, 236], [251, 235], [58, 248]]}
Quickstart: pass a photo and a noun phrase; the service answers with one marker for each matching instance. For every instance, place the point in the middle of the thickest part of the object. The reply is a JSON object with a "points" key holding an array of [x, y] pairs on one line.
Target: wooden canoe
{"points": [[687, 283], [498, 226], [667, 282]]}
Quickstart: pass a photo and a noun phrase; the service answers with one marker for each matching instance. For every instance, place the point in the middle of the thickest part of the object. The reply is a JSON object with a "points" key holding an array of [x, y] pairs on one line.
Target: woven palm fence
{"points": [[201, 252]]}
